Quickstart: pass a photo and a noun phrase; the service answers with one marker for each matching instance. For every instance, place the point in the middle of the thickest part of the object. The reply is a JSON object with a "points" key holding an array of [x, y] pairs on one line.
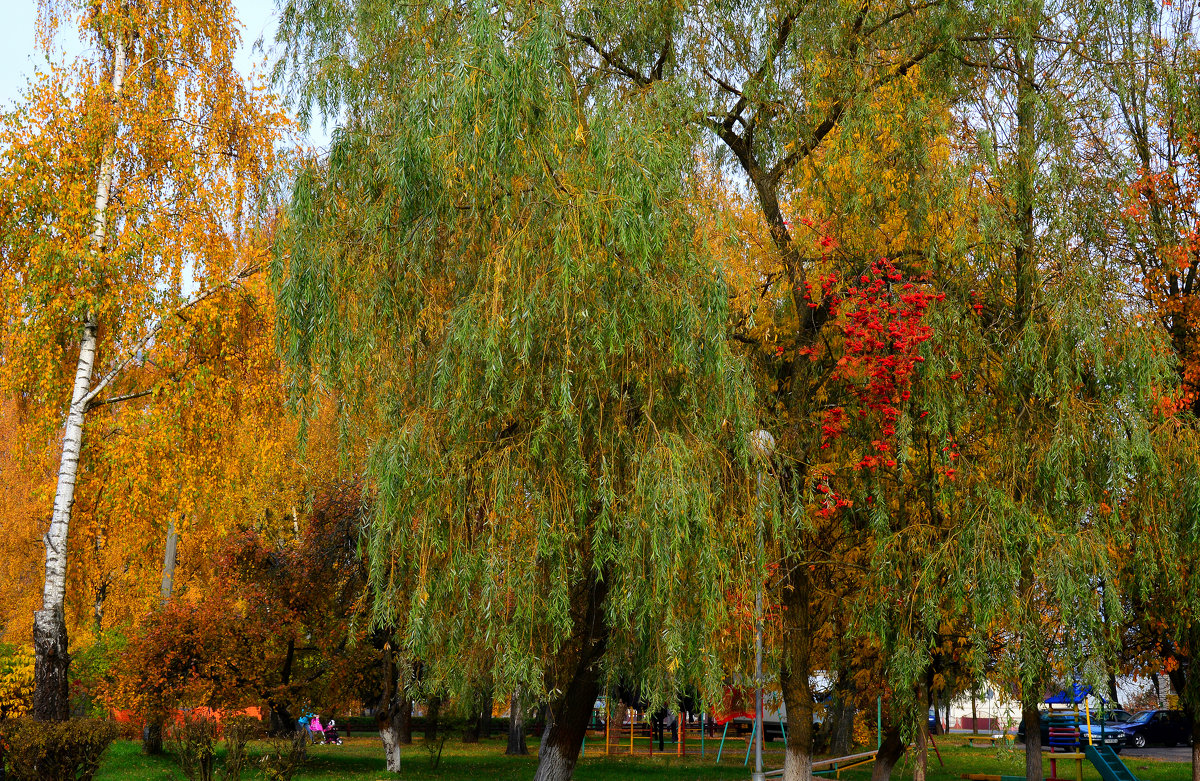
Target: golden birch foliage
{"points": [[212, 449], [195, 151], [26, 481], [197, 162]]}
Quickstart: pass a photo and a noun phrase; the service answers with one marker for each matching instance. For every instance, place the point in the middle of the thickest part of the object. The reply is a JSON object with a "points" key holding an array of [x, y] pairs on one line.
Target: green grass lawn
{"points": [[361, 759]]}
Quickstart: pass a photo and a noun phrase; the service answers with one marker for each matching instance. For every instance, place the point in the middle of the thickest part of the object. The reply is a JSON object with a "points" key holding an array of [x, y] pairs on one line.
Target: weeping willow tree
{"points": [[1057, 379], [502, 263]]}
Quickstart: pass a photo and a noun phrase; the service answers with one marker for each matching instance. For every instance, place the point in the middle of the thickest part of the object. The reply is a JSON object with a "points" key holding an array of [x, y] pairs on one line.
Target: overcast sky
{"points": [[20, 57]]}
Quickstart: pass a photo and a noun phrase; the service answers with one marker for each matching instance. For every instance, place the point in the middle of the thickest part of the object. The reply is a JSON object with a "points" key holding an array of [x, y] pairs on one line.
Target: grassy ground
{"points": [[361, 759]]}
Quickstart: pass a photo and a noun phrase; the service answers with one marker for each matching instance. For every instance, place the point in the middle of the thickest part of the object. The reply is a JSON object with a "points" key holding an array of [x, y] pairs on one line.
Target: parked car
{"points": [[1114, 716], [1110, 734], [1168, 727]]}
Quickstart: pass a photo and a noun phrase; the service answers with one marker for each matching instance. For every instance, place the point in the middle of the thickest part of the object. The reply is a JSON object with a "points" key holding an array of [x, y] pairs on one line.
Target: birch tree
{"points": [[122, 181]]}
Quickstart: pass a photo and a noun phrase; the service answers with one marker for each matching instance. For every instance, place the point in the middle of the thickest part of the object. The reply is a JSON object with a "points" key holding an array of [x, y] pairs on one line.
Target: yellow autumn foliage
{"points": [[16, 681]]}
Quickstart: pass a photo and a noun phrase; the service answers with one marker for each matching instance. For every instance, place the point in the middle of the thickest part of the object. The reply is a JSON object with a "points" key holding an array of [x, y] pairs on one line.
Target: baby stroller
{"points": [[331, 733], [328, 733]]}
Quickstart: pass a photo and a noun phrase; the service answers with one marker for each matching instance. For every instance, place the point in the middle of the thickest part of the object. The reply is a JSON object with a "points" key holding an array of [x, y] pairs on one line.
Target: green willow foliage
{"points": [[1059, 382], [502, 268]]}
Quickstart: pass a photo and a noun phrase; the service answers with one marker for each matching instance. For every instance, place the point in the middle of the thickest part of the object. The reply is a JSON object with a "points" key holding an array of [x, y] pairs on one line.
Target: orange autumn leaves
{"points": [[193, 428]]}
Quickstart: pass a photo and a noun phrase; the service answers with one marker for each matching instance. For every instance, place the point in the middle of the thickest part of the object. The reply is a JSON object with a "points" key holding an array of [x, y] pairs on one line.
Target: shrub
{"points": [[16, 680], [194, 743], [237, 732], [56, 751], [285, 758]]}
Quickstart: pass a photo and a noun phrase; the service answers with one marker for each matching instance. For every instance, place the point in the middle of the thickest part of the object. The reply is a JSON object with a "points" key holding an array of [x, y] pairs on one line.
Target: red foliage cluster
{"points": [[883, 326], [1164, 211], [273, 627]]}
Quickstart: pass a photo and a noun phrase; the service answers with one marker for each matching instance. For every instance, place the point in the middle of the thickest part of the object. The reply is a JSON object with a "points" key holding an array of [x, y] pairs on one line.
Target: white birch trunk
{"points": [[49, 626]]}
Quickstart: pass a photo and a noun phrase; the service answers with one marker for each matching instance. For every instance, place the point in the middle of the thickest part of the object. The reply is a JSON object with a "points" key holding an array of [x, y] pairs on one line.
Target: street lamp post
{"points": [[762, 445]]}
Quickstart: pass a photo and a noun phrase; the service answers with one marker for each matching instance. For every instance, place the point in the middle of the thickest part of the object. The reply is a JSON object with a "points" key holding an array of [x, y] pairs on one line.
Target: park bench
{"points": [[834, 765], [986, 740]]}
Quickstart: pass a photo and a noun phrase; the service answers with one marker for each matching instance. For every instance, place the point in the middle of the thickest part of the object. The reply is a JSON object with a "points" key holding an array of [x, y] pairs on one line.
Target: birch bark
{"points": [[50, 698]]}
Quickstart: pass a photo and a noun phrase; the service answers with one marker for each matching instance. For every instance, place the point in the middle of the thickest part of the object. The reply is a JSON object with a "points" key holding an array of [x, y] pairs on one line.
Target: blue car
{"points": [[1168, 727]]}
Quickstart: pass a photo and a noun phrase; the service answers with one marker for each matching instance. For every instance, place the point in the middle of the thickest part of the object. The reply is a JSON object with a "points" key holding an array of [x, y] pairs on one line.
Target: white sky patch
{"points": [[20, 56]]}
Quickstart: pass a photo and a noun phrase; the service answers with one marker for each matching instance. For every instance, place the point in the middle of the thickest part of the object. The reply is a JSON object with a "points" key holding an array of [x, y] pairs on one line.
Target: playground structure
{"points": [[628, 732], [1065, 742], [636, 736]]}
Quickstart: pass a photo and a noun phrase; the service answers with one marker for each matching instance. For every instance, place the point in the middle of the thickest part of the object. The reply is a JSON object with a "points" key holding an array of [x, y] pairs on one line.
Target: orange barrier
{"points": [[129, 717]]}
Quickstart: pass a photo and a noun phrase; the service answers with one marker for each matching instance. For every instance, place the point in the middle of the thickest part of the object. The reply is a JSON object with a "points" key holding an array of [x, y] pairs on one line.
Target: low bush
{"points": [[55, 751], [285, 758], [194, 742], [237, 732]]}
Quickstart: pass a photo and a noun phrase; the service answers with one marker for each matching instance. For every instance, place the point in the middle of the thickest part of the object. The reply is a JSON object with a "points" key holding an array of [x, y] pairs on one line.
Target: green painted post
{"points": [[878, 722], [702, 735], [750, 745]]}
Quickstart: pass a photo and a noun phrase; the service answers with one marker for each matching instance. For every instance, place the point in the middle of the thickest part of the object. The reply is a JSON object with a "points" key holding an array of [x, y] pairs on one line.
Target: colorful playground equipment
{"points": [[1065, 741], [628, 732]]}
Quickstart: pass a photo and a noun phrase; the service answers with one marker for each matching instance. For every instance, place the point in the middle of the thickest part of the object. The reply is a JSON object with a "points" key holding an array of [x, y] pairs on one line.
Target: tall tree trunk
{"points": [[389, 713], [793, 677], [388, 722], [1179, 678], [547, 722], [1025, 253], [1113, 694], [98, 607], [152, 736], [152, 732], [842, 730], [405, 725], [485, 712], [921, 765], [1033, 740], [470, 732], [1194, 718], [890, 751], [478, 710], [516, 726], [50, 696], [282, 722], [169, 560], [579, 684], [433, 714]]}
